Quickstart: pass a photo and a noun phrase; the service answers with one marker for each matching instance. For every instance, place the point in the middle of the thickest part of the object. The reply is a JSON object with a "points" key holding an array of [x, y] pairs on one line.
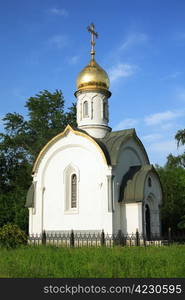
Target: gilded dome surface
{"points": [[92, 77]]}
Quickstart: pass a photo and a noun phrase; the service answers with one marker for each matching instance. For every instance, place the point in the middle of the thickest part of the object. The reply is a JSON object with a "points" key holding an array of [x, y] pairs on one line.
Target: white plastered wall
{"points": [[95, 109], [133, 212], [131, 154], [96, 122], [92, 213]]}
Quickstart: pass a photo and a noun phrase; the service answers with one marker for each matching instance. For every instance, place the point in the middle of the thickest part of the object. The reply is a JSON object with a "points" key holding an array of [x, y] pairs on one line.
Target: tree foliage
{"points": [[180, 137], [173, 206], [20, 143], [173, 181], [177, 161], [46, 119]]}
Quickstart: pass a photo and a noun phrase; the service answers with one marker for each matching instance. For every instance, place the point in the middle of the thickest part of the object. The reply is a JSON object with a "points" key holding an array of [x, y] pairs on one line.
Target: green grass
{"points": [[117, 262]]}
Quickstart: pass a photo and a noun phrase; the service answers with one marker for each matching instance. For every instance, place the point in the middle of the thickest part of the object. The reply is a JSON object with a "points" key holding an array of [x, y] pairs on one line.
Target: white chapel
{"points": [[88, 179]]}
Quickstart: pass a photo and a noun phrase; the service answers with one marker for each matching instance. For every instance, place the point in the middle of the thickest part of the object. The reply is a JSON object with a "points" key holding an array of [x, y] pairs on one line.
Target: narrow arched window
{"points": [[149, 182], [104, 110], [85, 109], [73, 191]]}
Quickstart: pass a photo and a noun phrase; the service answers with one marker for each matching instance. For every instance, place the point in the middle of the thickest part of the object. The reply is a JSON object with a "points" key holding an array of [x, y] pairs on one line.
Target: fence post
{"points": [[137, 237], [120, 238], [102, 238], [169, 236], [44, 238], [72, 239], [144, 241]]}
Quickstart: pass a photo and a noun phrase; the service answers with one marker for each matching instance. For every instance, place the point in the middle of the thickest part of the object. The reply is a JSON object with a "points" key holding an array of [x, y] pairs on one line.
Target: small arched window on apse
{"points": [[85, 109], [104, 110], [73, 191], [149, 181]]}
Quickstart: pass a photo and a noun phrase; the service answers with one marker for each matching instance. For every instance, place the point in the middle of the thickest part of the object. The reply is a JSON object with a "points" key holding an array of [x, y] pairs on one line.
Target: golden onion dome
{"points": [[92, 77]]}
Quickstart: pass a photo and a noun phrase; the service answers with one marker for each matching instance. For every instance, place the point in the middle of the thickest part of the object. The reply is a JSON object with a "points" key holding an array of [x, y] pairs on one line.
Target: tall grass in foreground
{"points": [[117, 262]]}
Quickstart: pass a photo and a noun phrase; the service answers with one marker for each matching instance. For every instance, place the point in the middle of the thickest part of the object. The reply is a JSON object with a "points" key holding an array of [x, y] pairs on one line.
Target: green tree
{"points": [[20, 143], [46, 119], [178, 161], [173, 206], [180, 137], [172, 176]]}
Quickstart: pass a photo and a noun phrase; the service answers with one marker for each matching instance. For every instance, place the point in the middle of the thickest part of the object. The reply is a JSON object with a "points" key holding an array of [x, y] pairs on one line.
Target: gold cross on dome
{"points": [[93, 33]]}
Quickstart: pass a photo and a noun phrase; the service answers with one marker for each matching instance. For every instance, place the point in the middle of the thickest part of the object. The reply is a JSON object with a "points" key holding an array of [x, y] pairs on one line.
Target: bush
{"points": [[11, 236], [181, 224]]}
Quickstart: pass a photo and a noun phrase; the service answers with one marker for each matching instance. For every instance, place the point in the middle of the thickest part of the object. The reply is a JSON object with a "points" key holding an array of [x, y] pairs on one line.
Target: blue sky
{"points": [[141, 44]]}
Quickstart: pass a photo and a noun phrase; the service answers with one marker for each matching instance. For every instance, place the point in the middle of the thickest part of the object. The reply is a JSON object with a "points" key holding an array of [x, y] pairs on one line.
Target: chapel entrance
{"points": [[147, 222]]}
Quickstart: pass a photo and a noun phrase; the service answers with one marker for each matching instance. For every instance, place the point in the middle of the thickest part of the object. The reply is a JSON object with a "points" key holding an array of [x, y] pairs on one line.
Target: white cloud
{"points": [[151, 137], [164, 147], [134, 39], [59, 41], [126, 123], [73, 60], [159, 118], [171, 76], [58, 12], [167, 126], [121, 70], [158, 151]]}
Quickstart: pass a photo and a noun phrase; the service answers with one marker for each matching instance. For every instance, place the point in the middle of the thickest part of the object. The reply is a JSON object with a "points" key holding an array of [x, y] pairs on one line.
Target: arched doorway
{"points": [[147, 222]]}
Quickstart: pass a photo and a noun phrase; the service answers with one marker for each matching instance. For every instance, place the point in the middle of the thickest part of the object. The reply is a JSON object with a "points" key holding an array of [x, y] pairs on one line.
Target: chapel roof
{"points": [[115, 139], [112, 143], [133, 183], [110, 146]]}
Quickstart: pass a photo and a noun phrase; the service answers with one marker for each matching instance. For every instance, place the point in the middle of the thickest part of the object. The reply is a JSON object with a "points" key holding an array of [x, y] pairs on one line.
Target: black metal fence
{"points": [[72, 239]]}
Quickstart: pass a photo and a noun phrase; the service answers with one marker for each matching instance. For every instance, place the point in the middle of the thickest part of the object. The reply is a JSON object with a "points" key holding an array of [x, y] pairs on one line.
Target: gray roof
{"points": [[113, 141], [128, 176], [110, 144], [133, 183]]}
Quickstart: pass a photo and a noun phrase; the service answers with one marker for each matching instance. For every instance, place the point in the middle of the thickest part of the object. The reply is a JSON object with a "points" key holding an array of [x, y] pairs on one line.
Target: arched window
{"points": [[73, 191], [104, 110], [149, 182], [85, 109]]}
